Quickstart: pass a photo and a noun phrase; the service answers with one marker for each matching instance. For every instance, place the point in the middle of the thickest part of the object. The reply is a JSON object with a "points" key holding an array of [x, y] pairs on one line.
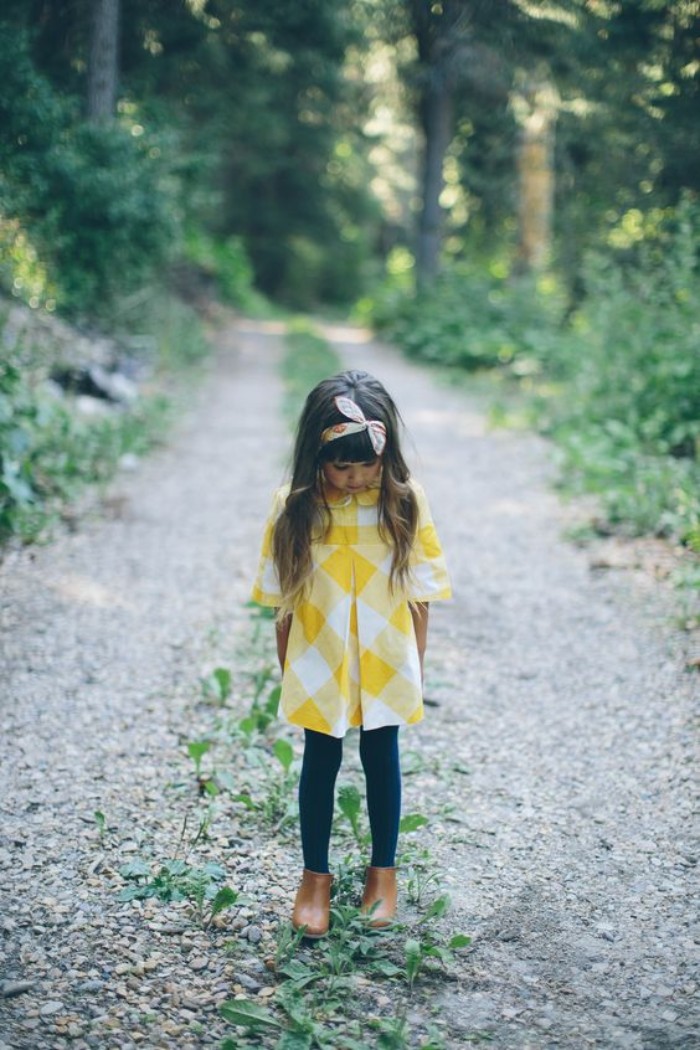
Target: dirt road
{"points": [[557, 767]]}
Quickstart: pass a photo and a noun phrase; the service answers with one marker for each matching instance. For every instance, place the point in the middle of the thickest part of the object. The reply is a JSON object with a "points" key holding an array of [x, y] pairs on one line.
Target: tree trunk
{"points": [[438, 34], [437, 130], [103, 62], [538, 112]]}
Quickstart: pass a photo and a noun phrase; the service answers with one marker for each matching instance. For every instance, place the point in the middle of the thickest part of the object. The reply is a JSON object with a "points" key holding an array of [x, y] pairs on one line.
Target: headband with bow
{"points": [[375, 428]]}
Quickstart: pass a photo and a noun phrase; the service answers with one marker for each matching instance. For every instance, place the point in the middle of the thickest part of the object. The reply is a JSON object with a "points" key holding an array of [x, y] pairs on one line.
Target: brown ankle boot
{"points": [[312, 905], [380, 886]]}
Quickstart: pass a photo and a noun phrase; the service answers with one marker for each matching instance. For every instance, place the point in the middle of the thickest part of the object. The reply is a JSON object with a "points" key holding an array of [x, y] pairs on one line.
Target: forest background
{"points": [[502, 186]]}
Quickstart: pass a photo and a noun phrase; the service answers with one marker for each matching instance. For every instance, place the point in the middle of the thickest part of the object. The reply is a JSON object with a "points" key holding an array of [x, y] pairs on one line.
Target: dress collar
{"points": [[368, 498]]}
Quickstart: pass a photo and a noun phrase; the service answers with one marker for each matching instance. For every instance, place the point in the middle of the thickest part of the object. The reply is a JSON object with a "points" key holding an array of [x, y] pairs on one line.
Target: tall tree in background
{"points": [[439, 33], [103, 61], [536, 105], [462, 52]]}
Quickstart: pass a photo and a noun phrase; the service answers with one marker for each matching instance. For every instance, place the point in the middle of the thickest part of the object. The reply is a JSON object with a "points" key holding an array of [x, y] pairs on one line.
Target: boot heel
{"points": [[312, 905], [380, 889]]}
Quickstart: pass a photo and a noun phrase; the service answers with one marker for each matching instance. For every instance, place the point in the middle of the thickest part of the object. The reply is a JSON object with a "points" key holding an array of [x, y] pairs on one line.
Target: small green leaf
{"points": [[247, 1014], [349, 802], [247, 801], [411, 822], [460, 940], [413, 959], [295, 1041], [273, 699], [197, 749], [222, 676], [284, 753], [215, 870], [438, 908], [384, 967], [175, 867], [135, 869], [225, 898], [134, 893], [217, 685]]}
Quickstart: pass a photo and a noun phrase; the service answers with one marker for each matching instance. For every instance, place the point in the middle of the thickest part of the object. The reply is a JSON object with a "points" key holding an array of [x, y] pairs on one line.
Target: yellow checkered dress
{"points": [[352, 657]]}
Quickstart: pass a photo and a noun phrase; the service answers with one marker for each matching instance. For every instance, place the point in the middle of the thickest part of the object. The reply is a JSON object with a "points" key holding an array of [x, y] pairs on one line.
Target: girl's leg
{"points": [[379, 752], [322, 757]]}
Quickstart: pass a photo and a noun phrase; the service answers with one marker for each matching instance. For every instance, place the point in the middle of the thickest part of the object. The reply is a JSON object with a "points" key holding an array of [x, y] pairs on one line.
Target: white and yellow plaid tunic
{"points": [[352, 657]]}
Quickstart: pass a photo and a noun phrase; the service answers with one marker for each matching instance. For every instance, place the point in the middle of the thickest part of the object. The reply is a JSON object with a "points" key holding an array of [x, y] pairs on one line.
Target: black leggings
{"points": [[379, 753]]}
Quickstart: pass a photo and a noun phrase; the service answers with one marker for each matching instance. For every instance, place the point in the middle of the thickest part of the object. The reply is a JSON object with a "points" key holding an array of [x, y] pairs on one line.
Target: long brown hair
{"points": [[306, 515]]}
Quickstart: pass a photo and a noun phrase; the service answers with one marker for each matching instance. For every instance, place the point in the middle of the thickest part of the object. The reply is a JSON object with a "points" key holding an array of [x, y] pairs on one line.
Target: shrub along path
{"points": [[555, 766]]}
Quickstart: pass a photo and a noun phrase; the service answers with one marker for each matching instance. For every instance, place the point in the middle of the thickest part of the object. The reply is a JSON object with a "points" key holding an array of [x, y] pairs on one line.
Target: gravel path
{"points": [[557, 767]]}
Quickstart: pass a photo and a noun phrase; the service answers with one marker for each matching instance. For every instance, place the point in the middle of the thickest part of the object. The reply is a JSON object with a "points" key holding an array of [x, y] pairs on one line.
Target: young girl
{"points": [[350, 559]]}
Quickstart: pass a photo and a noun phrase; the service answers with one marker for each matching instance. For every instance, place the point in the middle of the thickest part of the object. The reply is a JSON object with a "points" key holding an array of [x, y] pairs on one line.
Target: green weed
{"points": [[101, 822], [176, 880], [217, 686]]}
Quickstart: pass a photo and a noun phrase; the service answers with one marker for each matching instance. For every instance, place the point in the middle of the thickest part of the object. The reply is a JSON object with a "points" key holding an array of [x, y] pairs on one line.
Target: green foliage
{"points": [[628, 419], [177, 880], [226, 264], [350, 805], [312, 1006], [48, 453], [101, 822], [474, 319], [112, 220], [217, 685], [196, 750], [616, 382], [96, 203]]}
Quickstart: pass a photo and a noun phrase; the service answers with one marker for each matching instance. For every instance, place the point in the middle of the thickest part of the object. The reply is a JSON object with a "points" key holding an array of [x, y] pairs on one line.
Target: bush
{"points": [[48, 453], [474, 320], [634, 347], [95, 203], [629, 415], [617, 382], [226, 264]]}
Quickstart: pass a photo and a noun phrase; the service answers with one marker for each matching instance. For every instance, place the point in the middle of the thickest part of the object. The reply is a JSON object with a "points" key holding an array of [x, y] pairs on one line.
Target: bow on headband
{"points": [[375, 428]]}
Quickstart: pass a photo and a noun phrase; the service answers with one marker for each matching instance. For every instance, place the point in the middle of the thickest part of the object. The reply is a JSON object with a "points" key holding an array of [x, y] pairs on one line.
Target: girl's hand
{"points": [[419, 612], [283, 628]]}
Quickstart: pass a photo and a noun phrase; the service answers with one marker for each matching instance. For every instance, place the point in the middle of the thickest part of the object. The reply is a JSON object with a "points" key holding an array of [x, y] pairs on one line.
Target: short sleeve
{"points": [[429, 580], [266, 589]]}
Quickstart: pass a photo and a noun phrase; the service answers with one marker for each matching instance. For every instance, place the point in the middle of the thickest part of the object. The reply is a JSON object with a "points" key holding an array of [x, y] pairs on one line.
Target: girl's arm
{"points": [[283, 639], [419, 612]]}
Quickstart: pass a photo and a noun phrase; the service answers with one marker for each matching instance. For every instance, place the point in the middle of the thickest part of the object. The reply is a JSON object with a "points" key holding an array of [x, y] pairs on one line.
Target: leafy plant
{"points": [[196, 750], [261, 712], [217, 686], [350, 805], [176, 880], [48, 454], [101, 822], [275, 803]]}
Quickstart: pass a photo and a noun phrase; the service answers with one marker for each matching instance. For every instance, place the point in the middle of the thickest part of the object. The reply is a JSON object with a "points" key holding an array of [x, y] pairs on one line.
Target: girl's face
{"points": [[352, 477]]}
